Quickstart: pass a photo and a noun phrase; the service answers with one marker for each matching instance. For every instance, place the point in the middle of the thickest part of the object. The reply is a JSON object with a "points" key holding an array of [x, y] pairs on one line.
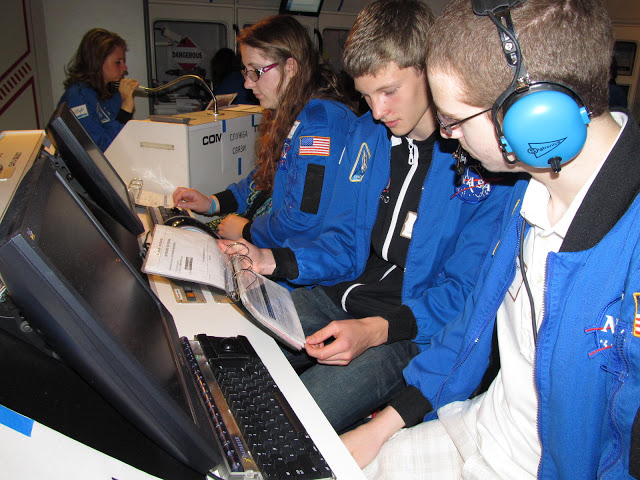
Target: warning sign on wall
{"points": [[186, 54]]}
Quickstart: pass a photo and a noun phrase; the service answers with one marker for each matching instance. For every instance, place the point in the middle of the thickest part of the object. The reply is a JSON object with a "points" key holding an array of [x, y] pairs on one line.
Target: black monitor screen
{"points": [[63, 270], [90, 167], [301, 7]]}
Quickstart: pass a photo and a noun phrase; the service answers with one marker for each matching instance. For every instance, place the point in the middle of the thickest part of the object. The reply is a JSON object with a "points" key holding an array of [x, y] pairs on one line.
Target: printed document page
{"points": [[186, 255], [195, 257]]}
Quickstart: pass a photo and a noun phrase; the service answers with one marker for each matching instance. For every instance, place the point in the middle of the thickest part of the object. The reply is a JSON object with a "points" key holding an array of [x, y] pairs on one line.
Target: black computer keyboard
{"points": [[277, 441], [159, 215]]}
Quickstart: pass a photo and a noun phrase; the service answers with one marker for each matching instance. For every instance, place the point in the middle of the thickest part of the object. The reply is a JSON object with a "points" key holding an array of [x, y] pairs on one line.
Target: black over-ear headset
{"points": [[543, 123]]}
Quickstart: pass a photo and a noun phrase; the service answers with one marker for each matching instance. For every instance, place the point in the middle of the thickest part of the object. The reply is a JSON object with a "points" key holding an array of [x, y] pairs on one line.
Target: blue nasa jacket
{"points": [[448, 243], [303, 181], [102, 120], [587, 364]]}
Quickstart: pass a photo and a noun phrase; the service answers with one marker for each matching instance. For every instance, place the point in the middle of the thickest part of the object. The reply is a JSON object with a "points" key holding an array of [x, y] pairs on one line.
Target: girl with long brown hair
{"points": [[301, 138], [99, 60]]}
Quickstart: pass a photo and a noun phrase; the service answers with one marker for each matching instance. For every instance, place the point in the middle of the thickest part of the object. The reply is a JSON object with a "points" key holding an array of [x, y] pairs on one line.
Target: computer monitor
{"points": [[301, 7], [91, 169], [96, 312]]}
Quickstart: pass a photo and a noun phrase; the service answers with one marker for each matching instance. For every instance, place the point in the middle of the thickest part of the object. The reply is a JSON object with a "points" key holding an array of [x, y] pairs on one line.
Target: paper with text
{"points": [[186, 255], [195, 257]]}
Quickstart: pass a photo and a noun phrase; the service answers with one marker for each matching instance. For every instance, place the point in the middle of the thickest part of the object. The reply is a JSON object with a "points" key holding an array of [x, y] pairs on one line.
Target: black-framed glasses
{"points": [[447, 123], [255, 74]]}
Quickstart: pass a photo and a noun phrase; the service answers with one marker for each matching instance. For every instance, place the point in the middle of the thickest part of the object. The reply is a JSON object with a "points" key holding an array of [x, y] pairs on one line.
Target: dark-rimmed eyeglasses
{"points": [[255, 74], [447, 123]]}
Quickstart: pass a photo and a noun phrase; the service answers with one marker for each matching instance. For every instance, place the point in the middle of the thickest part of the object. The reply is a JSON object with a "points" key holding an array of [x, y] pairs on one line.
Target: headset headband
{"points": [[484, 7]]}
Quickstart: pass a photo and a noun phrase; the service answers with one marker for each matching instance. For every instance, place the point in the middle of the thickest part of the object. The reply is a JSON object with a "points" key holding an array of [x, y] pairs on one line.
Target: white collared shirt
{"points": [[500, 426]]}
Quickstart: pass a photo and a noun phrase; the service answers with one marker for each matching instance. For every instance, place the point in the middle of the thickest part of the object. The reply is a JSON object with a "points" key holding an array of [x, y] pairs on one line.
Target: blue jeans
{"points": [[347, 394]]}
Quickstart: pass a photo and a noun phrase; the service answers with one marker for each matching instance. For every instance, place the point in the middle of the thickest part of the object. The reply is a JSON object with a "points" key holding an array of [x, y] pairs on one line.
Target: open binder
{"points": [[195, 257]]}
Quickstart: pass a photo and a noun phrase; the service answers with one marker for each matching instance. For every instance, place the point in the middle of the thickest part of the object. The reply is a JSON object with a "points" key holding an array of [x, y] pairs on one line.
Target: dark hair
{"points": [[282, 37], [388, 31], [564, 41], [222, 64], [86, 64]]}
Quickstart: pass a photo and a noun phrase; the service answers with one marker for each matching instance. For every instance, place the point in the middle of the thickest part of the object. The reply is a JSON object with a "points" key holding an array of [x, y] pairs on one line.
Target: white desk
{"points": [[40, 452], [225, 319], [30, 450]]}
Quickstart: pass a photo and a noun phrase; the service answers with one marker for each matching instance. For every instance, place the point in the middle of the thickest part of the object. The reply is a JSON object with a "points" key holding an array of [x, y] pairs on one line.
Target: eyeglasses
{"points": [[254, 75], [447, 123]]}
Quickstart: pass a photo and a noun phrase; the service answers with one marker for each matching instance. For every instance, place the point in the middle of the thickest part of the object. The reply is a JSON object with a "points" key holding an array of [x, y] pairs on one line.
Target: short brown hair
{"points": [[86, 65], [387, 31], [564, 41]]}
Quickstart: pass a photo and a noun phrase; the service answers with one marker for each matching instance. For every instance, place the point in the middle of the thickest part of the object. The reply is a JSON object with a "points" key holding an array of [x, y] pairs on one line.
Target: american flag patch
{"points": [[315, 146], [636, 320]]}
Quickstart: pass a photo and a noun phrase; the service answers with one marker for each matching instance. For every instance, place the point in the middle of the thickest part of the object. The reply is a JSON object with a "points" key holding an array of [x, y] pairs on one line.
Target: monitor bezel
{"points": [[52, 305], [69, 138]]}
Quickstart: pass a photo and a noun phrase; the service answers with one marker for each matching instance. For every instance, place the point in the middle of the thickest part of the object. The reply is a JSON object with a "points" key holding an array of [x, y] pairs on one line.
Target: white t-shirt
{"points": [[499, 428]]}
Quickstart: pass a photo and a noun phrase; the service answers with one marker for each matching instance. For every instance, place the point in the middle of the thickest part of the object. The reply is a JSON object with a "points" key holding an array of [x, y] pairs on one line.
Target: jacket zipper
{"points": [[484, 326], [413, 162], [543, 312], [621, 375]]}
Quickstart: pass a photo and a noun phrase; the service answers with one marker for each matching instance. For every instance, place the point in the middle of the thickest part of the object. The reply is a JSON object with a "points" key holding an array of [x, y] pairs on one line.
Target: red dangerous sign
{"points": [[186, 54]]}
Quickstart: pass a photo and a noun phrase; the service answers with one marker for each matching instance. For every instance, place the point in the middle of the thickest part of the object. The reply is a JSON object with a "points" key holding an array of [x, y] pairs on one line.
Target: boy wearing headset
{"points": [[406, 240], [563, 400]]}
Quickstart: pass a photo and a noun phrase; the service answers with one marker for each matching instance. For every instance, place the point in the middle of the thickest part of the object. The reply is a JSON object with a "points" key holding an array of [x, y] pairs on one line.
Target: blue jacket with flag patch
{"points": [[304, 178], [102, 120], [587, 363], [449, 239]]}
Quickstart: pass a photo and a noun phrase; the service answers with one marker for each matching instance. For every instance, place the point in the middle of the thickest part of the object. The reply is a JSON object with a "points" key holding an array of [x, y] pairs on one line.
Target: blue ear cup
{"points": [[546, 126], [543, 123]]}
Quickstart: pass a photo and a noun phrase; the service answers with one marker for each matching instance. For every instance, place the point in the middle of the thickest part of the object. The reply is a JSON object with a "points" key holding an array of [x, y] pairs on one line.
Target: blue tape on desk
{"points": [[15, 421]]}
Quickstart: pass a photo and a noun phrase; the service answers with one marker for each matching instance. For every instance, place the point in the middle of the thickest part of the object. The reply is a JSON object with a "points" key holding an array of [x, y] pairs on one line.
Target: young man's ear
{"points": [[291, 67]]}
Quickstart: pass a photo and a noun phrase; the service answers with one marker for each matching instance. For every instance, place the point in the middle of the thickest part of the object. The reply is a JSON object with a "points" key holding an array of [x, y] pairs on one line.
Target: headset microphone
{"points": [[544, 123]]}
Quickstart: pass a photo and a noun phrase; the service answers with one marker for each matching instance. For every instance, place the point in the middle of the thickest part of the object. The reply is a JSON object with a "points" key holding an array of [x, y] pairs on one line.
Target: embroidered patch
{"points": [[293, 129], [603, 335], [636, 318], [80, 111], [472, 188], [361, 163], [315, 146], [103, 115], [605, 328], [283, 157]]}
